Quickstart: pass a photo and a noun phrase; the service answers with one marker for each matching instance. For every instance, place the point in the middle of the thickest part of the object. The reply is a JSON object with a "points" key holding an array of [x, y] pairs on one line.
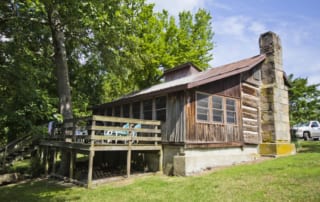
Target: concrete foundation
{"points": [[197, 160], [277, 149]]}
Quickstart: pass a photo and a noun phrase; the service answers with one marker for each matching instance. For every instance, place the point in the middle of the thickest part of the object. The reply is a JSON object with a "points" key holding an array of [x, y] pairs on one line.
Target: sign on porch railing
{"points": [[100, 130]]}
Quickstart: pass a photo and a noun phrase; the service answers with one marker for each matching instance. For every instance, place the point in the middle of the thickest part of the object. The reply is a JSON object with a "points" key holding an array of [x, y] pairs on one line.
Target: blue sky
{"points": [[238, 24]]}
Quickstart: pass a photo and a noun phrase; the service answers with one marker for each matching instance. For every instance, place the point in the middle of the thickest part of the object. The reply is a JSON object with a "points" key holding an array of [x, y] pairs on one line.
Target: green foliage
{"points": [[304, 100], [112, 48], [36, 168]]}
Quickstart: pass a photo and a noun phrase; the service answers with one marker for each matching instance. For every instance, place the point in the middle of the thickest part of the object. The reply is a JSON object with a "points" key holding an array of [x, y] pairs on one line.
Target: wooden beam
{"points": [[115, 128], [125, 120]]}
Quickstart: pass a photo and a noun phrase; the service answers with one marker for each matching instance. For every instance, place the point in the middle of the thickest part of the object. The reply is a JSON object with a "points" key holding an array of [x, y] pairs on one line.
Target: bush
{"points": [[36, 168]]}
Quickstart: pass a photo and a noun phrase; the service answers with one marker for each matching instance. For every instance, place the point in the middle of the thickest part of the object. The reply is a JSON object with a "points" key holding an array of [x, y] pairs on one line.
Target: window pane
{"points": [[217, 102], [231, 117], [217, 111], [218, 116], [231, 111], [202, 107]]}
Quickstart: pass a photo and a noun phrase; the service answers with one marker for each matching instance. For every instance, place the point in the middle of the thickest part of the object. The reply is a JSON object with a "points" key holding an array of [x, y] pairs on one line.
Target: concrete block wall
{"points": [[197, 160]]}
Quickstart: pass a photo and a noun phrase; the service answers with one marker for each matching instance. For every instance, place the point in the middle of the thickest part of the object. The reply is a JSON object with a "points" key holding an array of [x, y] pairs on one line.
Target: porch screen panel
{"points": [[136, 110], [147, 109], [126, 110], [161, 103], [217, 109], [202, 107]]}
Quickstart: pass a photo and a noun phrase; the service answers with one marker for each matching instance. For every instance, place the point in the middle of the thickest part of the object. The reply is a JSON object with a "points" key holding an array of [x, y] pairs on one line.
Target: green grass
{"points": [[293, 178]]}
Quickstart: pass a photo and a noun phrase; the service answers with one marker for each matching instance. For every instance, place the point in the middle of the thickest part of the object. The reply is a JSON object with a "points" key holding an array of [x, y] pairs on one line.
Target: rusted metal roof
{"points": [[198, 79]]}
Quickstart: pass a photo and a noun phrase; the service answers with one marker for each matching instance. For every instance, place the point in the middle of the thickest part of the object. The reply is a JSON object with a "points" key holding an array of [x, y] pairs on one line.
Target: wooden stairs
{"points": [[16, 150]]}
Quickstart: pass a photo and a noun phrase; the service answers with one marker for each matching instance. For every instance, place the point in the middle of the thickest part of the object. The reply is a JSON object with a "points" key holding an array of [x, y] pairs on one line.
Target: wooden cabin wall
{"points": [[175, 123], [201, 132], [250, 105]]}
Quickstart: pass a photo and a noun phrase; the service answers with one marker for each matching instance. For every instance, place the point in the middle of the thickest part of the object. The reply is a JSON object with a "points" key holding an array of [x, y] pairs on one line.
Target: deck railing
{"points": [[103, 130]]}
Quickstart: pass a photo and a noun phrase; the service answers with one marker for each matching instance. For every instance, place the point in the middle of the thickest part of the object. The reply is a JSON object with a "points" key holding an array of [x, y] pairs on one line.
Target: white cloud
{"points": [[176, 6], [257, 27]]}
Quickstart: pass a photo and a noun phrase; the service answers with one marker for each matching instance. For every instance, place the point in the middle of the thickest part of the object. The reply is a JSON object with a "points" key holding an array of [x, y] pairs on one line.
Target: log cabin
{"points": [[192, 121], [222, 116]]}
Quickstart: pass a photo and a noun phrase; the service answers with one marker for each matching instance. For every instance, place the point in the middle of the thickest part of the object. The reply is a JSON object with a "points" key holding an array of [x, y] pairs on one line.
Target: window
{"points": [[161, 103], [216, 109], [314, 125], [147, 109], [202, 107], [231, 111]]}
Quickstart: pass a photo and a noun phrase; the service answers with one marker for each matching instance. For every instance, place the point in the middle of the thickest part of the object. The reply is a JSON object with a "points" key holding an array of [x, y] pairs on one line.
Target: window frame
{"points": [[211, 109]]}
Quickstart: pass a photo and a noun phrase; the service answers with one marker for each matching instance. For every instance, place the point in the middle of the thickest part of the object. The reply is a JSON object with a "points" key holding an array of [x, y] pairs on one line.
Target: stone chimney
{"points": [[275, 125]]}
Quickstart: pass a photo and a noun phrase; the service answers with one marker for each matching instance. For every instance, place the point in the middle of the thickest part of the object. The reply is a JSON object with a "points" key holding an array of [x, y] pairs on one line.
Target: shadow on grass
{"points": [[309, 147], [39, 190]]}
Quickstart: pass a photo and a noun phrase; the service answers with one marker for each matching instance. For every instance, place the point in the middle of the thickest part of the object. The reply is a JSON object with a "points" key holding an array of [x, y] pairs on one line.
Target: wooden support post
{"points": [[90, 168], [54, 161], [129, 160], [160, 160], [46, 162], [71, 168]]}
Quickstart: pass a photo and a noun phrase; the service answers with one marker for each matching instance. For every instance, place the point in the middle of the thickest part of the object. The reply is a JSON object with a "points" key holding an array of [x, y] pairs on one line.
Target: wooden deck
{"points": [[102, 133]]}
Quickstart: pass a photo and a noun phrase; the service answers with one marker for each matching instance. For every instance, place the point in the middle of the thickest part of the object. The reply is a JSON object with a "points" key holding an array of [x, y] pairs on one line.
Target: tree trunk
{"points": [[62, 73]]}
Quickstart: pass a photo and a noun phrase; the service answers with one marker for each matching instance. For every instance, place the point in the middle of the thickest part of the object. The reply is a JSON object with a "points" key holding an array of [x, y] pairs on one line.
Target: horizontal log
{"points": [[248, 89], [250, 122], [250, 102], [249, 109], [250, 115], [250, 128], [249, 97]]}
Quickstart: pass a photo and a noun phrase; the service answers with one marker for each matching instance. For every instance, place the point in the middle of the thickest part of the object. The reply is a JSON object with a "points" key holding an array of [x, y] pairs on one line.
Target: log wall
{"points": [[250, 106]]}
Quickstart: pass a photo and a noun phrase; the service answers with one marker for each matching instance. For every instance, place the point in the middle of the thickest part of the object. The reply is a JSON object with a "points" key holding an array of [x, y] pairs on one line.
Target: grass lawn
{"points": [[292, 178]]}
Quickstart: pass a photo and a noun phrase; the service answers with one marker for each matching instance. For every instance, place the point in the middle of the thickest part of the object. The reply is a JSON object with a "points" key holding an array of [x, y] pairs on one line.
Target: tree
{"points": [[304, 100], [92, 51]]}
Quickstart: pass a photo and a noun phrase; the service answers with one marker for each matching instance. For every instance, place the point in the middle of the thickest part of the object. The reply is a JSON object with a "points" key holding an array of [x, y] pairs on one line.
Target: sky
{"points": [[237, 25]]}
